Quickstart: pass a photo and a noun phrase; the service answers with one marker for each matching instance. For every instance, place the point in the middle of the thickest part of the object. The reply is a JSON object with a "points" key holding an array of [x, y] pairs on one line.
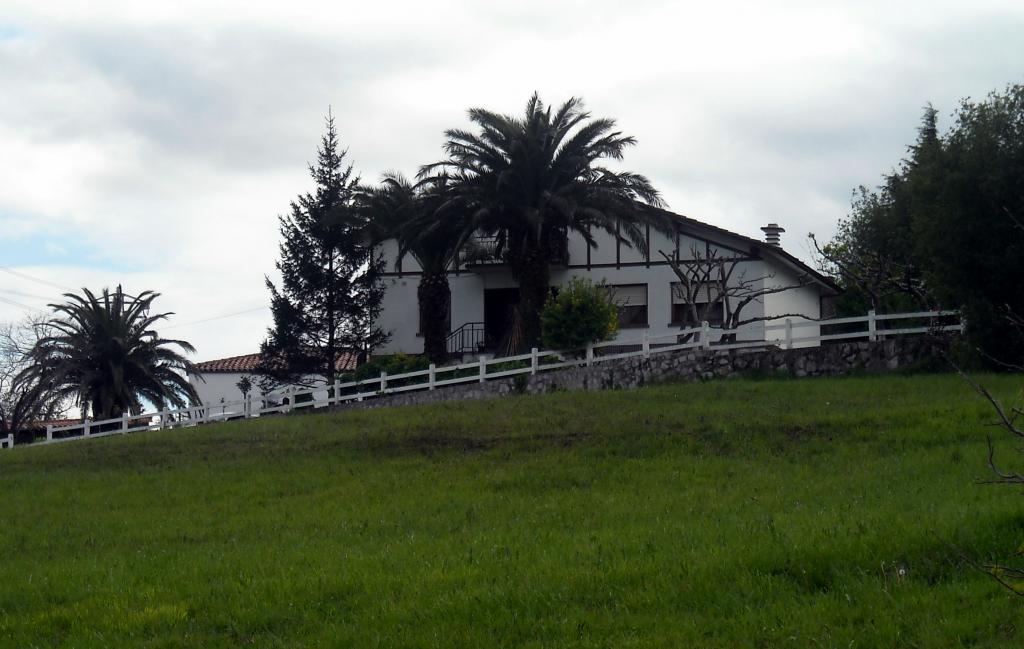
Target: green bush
{"points": [[392, 364], [581, 313]]}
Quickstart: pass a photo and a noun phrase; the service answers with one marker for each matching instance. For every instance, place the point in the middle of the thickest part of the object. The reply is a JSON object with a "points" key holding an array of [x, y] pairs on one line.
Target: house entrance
{"points": [[499, 312]]}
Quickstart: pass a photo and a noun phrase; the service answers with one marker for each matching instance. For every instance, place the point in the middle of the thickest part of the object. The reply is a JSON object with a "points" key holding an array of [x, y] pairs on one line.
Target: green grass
{"points": [[816, 513]]}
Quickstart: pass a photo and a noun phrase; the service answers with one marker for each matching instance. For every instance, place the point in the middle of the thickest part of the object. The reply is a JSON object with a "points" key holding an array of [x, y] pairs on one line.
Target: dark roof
{"points": [[758, 248], [247, 363]]}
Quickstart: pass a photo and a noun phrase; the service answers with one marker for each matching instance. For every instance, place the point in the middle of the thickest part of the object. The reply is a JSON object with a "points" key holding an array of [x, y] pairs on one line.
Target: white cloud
{"points": [[163, 140]]}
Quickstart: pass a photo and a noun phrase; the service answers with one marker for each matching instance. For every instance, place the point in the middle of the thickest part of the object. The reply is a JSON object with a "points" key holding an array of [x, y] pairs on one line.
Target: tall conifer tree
{"points": [[331, 288]]}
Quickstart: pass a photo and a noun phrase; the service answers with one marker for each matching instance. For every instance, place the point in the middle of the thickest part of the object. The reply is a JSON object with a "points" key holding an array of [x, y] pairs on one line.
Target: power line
{"points": [[217, 317], [22, 294], [24, 275], [21, 305], [17, 304], [32, 278]]}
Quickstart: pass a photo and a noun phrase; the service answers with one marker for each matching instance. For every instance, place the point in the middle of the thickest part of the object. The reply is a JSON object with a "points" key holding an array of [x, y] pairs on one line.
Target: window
{"points": [[632, 302], [682, 311]]}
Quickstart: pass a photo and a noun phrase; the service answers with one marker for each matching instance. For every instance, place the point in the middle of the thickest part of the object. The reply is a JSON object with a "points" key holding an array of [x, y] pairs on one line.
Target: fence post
{"points": [[10, 440], [383, 382], [432, 376], [590, 354], [533, 360], [789, 334], [49, 432], [872, 326], [483, 369], [705, 335], [124, 423], [646, 344], [85, 427]]}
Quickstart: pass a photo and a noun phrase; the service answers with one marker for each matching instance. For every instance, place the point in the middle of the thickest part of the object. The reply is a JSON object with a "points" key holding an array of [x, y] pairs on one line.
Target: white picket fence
{"points": [[488, 369]]}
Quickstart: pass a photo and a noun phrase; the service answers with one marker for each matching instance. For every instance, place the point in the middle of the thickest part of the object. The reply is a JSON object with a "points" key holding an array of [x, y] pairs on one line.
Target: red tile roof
{"points": [[247, 363], [55, 423]]}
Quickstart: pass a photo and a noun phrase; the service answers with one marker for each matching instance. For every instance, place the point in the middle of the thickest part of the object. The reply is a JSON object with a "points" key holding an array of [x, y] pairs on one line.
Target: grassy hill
{"points": [[726, 514]]}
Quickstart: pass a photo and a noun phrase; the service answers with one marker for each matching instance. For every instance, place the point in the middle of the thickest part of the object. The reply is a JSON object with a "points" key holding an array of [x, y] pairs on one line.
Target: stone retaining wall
{"points": [[687, 365]]}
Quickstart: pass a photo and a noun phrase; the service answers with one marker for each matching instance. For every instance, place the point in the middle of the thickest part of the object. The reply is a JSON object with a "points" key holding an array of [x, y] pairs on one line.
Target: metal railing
{"points": [[486, 369], [467, 339], [481, 251]]}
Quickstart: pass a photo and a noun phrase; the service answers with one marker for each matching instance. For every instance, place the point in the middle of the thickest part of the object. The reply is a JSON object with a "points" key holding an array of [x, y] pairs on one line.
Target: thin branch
{"points": [[747, 321]]}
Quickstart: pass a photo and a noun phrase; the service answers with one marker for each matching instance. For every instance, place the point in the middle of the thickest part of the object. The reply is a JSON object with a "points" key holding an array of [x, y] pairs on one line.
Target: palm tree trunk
{"points": [[533, 273], [434, 297]]}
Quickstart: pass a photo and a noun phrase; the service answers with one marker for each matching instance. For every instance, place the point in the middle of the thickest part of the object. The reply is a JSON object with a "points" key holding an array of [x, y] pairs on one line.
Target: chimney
{"points": [[771, 234]]}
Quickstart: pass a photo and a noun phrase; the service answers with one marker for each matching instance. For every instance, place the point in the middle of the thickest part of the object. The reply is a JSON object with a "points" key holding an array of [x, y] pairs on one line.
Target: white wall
{"points": [[400, 307], [659, 280], [399, 315], [805, 300], [400, 311], [604, 253], [222, 387], [389, 249], [578, 249]]}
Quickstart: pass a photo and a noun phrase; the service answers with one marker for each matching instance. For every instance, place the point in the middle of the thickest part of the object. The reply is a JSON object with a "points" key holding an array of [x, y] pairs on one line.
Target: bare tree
{"points": [[876, 274], [22, 402], [716, 288]]}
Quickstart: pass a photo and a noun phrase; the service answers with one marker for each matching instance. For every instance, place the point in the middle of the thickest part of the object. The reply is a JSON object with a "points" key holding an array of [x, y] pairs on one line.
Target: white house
{"points": [[216, 382], [483, 293]]}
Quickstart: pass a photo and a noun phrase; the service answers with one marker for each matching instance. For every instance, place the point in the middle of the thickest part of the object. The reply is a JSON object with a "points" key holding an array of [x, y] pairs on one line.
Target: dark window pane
{"points": [[632, 316], [682, 314]]}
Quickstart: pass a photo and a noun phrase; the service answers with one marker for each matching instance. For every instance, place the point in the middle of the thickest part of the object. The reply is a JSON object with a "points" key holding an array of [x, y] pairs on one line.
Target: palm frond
{"points": [[103, 351]]}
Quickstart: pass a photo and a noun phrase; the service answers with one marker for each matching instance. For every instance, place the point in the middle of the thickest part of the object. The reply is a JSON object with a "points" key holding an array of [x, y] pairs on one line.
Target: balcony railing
{"points": [[481, 251]]}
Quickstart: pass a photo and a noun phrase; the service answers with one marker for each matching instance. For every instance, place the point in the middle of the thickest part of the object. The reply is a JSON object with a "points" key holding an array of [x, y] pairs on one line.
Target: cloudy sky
{"points": [[155, 144]]}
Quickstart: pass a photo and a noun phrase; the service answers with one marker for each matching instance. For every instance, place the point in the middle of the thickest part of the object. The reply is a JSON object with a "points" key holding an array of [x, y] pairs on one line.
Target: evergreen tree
{"points": [[947, 227], [970, 230], [331, 290], [873, 254]]}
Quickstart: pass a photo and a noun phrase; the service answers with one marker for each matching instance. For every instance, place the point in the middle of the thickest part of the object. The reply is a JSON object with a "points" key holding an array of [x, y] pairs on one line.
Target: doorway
{"points": [[499, 314]]}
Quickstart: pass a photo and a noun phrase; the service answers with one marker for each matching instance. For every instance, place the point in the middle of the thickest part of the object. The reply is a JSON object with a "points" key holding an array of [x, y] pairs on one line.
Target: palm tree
{"points": [[426, 225], [103, 353], [532, 180]]}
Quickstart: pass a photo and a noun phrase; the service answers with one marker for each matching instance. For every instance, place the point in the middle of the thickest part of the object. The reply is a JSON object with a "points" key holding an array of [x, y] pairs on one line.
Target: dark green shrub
{"points": [[581, 313], [392, 364]]}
